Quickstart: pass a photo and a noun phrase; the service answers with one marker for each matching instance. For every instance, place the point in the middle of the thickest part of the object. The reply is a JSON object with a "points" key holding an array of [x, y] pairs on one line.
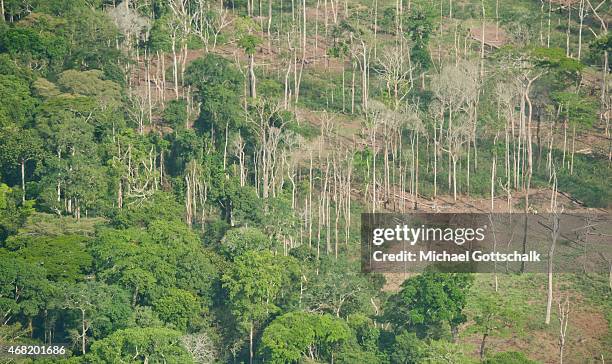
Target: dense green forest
{"points": [[182, 180]]}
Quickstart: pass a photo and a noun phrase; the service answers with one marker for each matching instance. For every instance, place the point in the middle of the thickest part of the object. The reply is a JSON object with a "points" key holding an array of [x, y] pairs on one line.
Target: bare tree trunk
{"points": [[310, 187], [571, 168], [375, 25], [252, 80], [549, 20], [353, 89], [604, 100], [225, 145], [83, 331], [567, 32], [416, 175], [454, 158], [364, 77], [303, 62], [435, 166], [269, 25], [251, 343], [119, 194], [581, 16], [564, 311], [482, 42], [554, 235], [493, 167], [23, 187], [174, 65]]}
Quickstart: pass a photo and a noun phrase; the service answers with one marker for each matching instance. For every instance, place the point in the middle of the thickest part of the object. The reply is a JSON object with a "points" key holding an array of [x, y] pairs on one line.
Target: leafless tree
{"points": [[396, 70], [554, 235], [201, 348], [564, 311]]}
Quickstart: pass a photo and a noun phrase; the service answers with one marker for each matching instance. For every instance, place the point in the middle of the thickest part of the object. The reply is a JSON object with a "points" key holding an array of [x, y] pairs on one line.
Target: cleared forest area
{"points": [[182, 180]]}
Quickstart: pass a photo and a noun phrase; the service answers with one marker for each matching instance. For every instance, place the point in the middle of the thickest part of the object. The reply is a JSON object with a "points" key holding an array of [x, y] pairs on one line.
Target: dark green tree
{"points": [[94, 310], [17, 148], [429, 301], [297, 335], [254, 284]]}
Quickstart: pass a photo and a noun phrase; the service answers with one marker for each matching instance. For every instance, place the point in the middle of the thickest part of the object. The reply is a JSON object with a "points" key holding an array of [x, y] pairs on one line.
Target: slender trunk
{"points": [[482, 344], [551, 251], [454, 178], [270, 25], [482, 42], [581, 16], [493, 182], [564, 143], [435, 166], [310, 187], [252, 80], [573, 150], [375, 25], [83, 331], [549, 21], [23, 188], [568, 30], [251, 344], [416, 175], [174, 66], [353, 89], [604, 100], [225, 145]]}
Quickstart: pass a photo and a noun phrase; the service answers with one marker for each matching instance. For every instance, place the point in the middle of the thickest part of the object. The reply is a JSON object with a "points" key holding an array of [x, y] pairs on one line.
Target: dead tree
{"points": [[554, 235], [564, 311]]}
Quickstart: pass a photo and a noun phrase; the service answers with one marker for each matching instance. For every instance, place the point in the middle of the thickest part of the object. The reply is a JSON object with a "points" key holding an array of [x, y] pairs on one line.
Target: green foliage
{"points": [[149, 263], [340, 297], [175, 113], [219, 86], [177, 307], [428, 301], [90, 83], [128, 280], [154, 345], [555, 58], [23, 289], [602, 44], [160, 39], [64, 257], [18, 149], [365, 330], [255, 282], [13, 214], [578, 109], [290, 336], [240, 205], [407, 349], [105, 308], [238, 241], [160, 206], [29, 45], [249, 43], [420, 24], [17, 103]]}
